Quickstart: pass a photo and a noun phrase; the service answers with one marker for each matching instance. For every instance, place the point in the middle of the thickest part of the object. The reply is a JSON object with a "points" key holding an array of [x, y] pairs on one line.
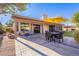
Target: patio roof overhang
{"points": [[19, 18]]}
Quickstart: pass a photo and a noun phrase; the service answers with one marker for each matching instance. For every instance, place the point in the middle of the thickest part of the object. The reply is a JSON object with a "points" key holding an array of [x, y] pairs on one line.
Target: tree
{"points": [[0, 26], [9, 23], [2, 30], [11, 8], [75, 19]]}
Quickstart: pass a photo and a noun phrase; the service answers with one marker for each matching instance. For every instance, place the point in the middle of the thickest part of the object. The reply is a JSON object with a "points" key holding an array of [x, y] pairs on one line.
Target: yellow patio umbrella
{"points": [[55, 20]]}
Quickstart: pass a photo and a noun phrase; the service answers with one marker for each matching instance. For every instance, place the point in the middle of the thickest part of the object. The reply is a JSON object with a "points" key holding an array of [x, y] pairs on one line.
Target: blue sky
{"points": [[36, 10]]}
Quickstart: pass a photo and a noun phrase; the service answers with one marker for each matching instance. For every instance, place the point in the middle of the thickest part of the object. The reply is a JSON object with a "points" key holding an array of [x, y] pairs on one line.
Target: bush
{"points": [[2, 30], [9, 30], [76, 36]]}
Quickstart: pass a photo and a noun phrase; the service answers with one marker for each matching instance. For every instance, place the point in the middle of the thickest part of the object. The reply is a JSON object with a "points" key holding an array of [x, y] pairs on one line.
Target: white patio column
{"points": [[41, 29], [46, 27], [31, 28], [14, 27], [19, 27]]}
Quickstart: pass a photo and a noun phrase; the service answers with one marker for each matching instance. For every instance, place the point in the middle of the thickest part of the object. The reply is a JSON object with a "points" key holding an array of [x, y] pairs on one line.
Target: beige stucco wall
{"points": [[14, 27], [45, 28]]}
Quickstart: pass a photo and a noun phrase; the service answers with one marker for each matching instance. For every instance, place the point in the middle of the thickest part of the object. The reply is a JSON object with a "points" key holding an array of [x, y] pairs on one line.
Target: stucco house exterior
{"points": [[32, 25]]}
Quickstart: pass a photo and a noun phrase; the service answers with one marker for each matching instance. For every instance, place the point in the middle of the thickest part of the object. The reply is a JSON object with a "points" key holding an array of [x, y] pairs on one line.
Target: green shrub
{"points": [[2, 30], [9, 30], [76, 36]]}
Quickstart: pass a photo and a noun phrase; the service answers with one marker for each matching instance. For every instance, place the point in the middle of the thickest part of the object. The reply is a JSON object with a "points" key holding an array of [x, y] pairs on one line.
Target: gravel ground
{"points": [[7, 47]]}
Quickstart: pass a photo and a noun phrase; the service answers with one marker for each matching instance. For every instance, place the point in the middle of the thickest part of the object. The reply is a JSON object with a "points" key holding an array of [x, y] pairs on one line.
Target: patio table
{"points": [[53, 34], [58, 34]]}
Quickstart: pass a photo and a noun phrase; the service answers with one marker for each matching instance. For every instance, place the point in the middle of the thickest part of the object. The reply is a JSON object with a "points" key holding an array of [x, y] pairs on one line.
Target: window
{"points": [[25, 27], [58, 28]]}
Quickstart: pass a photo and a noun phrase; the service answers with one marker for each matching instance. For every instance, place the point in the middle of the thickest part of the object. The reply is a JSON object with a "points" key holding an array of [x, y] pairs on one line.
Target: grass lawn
{"points": [[68, 33]]}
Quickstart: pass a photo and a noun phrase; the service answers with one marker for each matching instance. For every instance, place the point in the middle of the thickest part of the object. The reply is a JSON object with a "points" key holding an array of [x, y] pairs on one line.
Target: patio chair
{"points": [[52, 37], [60, 37], [48, 36]]}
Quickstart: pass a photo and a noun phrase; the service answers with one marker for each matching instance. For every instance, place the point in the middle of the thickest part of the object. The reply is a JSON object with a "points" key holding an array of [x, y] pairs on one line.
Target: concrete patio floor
{"points": [[68, 48]]}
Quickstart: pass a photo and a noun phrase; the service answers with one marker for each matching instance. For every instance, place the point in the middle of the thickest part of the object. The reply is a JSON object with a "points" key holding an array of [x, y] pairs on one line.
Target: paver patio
{"points": [[68, 48], [22, 50], [27, 48]]}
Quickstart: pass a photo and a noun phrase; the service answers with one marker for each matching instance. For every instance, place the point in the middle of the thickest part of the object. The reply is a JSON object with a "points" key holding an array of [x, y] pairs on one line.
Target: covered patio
{"points": [[31, 25]]}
